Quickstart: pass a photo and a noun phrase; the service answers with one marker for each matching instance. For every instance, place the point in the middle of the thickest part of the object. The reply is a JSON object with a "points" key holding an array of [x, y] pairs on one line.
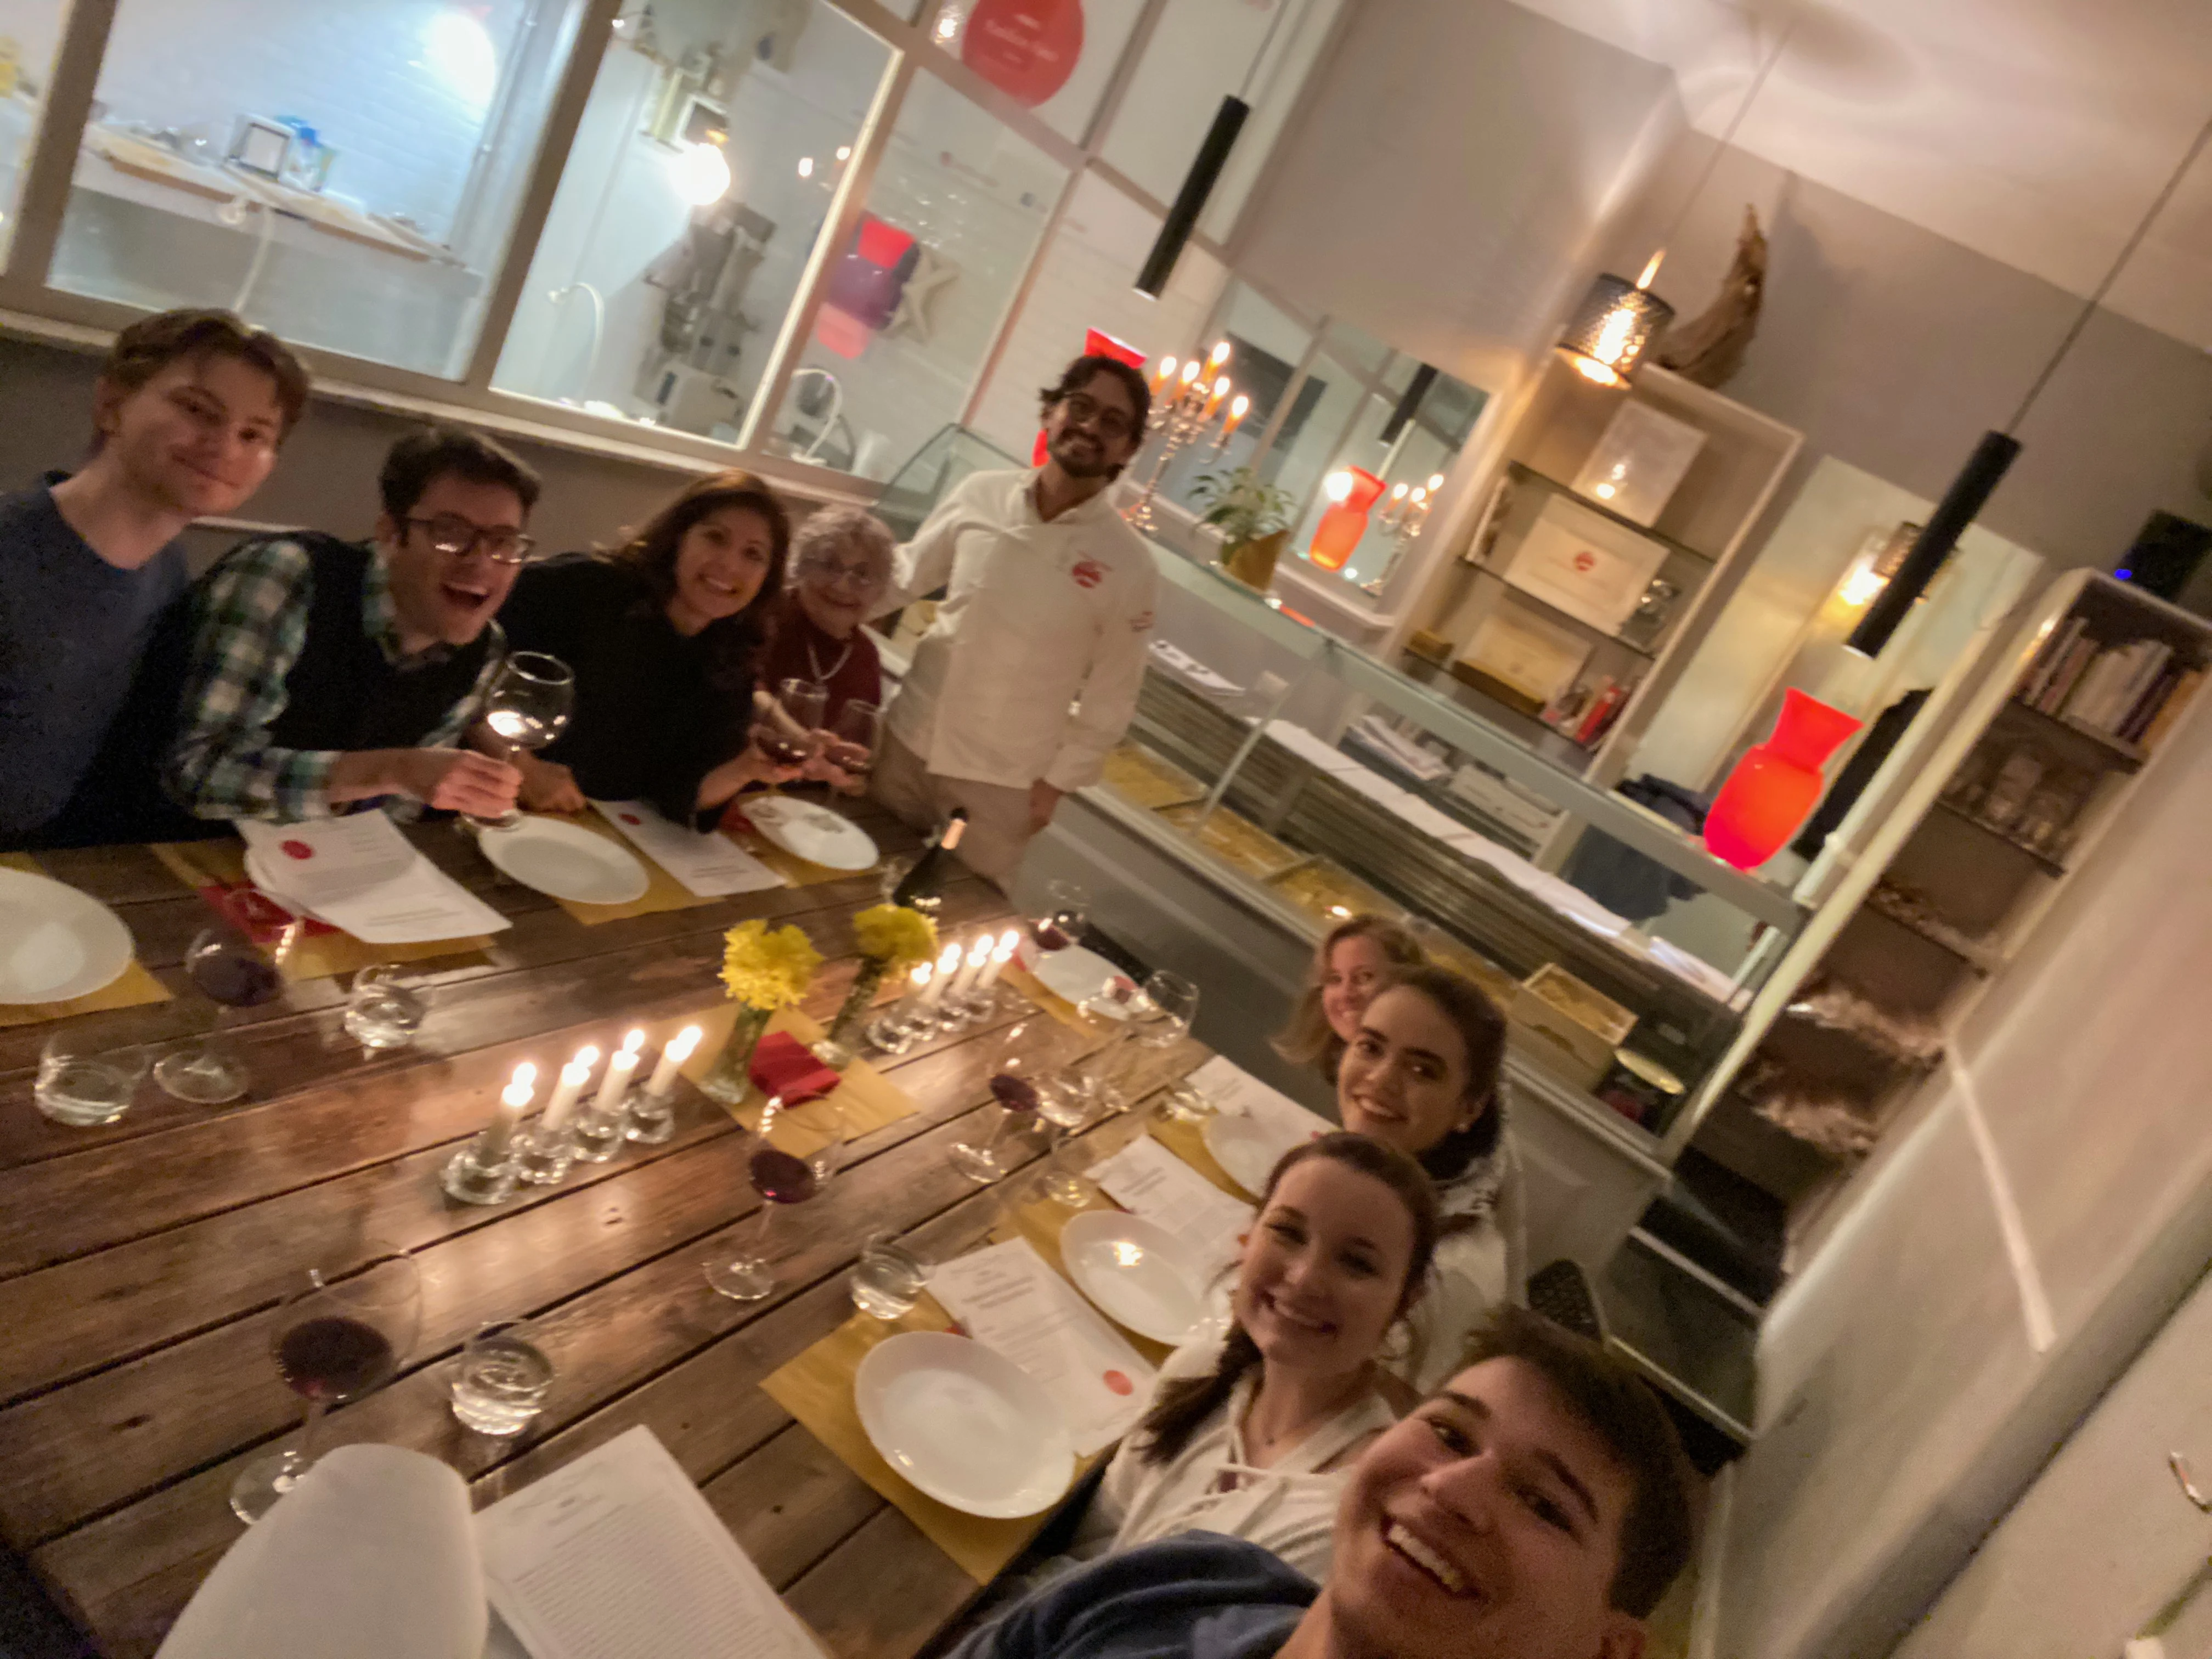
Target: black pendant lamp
{"points": [[1996, 453], [1190, 201]]}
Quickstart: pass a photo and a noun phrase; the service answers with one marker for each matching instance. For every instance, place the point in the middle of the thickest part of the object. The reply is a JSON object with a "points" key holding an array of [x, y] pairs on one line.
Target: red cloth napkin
{"points": [[782, 1065]]}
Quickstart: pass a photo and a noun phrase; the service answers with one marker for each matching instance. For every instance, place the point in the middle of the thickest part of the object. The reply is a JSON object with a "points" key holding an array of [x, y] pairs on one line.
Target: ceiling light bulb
{"points": [[844, 152], [806, 167]]}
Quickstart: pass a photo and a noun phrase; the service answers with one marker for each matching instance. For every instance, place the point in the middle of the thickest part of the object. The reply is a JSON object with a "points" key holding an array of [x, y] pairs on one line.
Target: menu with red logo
{"points": [[710, 866], [1005, 1297], [359, 874]]}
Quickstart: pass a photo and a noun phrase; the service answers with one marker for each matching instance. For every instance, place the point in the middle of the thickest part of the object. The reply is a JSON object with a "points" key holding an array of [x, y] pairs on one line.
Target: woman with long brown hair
{"points": [[1247, 1433], [1354, 959], [663, 634]]}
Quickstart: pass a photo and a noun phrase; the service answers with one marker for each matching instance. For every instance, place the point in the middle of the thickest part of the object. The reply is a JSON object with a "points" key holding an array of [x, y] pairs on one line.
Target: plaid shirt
{"points": [[249, 626]]}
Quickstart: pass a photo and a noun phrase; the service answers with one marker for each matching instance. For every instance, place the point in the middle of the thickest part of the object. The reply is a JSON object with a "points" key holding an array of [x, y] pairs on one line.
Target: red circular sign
{"points": [[1026, 48], [298, 849]]}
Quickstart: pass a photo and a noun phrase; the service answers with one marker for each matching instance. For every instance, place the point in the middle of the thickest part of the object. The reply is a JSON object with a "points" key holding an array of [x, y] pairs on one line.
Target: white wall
{"points": [[2025, 1230]]}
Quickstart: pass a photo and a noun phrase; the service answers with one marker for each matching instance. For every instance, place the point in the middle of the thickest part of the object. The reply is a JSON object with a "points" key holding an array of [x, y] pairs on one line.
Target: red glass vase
{"points": [[1343, 525], [1776, 784]]}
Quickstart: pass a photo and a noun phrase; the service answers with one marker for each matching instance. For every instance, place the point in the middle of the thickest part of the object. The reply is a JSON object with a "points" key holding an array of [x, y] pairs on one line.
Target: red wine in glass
{"points": [[782, 749], [780, 1177], [235, 975], [849, 757], [1016, 1094], [332, 1358]]}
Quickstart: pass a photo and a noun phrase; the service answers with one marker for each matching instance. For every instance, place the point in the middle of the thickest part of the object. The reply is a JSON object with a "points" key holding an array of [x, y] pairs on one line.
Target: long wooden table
{"points": [[141, 1263]]}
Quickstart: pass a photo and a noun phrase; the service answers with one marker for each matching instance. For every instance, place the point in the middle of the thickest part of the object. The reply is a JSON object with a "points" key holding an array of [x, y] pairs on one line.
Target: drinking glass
{"points": [[1019, 1069], [780, 1178], [338, 1337], [854, 736], [530, 699], [907, 1022], [86, 1078], [785, 731], [1067, 1103], [888, 1278], [384, 1008], [1066, 913], [501, 1379], [232, 972], [1161, 1013]]}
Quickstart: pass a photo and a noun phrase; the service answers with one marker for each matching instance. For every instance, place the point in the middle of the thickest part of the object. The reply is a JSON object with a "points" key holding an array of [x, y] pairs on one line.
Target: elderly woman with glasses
{"points": [[841, 565], [665, 636]]}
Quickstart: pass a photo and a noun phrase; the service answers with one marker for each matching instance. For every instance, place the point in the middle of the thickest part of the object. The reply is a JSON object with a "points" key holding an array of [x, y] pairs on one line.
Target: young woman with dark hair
{"points": [[1247, 1433], [1356, 956], [663, 634], [1422, 1075]]}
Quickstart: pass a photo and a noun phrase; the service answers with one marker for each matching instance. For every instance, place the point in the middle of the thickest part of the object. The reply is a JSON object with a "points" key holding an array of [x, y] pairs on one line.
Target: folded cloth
{"points": [[784, 1066], [372, 1555]]}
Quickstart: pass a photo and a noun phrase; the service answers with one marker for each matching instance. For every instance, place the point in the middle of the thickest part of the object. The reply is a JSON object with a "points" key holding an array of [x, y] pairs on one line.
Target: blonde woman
{"points": [[1355, 958]]}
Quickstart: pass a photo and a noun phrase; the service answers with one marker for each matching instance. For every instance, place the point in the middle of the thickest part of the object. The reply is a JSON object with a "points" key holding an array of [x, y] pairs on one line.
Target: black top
{"points": [[655, 712]]}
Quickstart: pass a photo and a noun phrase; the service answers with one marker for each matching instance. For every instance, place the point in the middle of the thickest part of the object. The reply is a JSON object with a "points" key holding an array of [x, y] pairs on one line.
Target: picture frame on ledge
{"points": [[1583, 564], [1639, 462], [1528, 656]]}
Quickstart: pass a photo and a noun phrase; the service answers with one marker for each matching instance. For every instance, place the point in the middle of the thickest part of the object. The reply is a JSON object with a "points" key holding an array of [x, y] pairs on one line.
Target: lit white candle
{"points": [[573, 1076], [514, 1102], [678, 1051], [918, 978], [1009, 942], [978, 954], [948, 962], [619, 1071]]}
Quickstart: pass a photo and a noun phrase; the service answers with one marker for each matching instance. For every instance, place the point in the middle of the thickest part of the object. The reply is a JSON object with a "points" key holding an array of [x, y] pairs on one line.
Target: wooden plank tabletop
{"points": [[141, 1263]]}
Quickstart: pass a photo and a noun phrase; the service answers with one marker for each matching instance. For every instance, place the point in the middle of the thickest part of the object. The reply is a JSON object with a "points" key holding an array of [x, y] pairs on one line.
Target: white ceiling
{"points": [[2036, 132]]}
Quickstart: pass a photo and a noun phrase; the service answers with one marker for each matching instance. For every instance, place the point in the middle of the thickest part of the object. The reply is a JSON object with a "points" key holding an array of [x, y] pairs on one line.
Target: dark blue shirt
{"points": [[71, 629], [1199, 1595]]}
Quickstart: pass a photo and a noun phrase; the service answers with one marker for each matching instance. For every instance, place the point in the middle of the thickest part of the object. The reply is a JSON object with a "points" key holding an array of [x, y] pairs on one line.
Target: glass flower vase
{"points": [[1776, 784], [730, 1076]]}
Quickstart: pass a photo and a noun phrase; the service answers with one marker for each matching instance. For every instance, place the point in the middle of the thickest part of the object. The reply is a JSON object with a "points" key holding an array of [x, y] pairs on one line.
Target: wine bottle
{"points": [[919, 889]]}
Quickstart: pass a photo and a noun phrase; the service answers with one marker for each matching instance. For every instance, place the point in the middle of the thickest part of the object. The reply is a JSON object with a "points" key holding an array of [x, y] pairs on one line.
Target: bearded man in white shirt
{"points": [[1030, 673]]}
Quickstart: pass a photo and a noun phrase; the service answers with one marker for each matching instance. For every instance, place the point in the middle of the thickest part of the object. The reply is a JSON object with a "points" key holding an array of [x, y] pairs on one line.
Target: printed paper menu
{"points": [[1147, 1179], [1237, 1092], [1005, 1297], [709, 866], [360, 874]]}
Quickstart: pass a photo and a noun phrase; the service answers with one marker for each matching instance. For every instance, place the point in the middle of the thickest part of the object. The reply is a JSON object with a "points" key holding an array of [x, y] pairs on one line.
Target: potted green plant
{"points": [[1253, 518]]}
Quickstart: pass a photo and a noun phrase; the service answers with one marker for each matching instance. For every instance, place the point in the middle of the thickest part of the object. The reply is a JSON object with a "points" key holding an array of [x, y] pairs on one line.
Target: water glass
{"points": [[85, 1079], [501, 1380], [384, 1009], [888, 1278], [1186, 1103]]}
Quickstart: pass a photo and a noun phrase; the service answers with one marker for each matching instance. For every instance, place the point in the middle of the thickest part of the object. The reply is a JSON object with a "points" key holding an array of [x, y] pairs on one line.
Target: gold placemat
{"points": [[220, 865], [1039, 1221], [796, 871], [662, 890], [865, 1100], [1051, 1002], [1185, 1141], [134, 988], [817, 1388]]}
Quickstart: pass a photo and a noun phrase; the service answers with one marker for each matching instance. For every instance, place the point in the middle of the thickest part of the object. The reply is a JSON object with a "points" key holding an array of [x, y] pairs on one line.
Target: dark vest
{"points": [[340, 692]]}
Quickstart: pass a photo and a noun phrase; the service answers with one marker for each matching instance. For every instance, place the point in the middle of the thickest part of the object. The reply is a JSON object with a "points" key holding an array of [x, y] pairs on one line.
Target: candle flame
{"points": [[980, 952], [684, 1041], [1435, 482], [1419, 496], [1651, 270], [948, 958], [587, 1056], [634, 1041], [1219, 353], [1221, 387], [1239, 406], [1167, 370], [1190, 371], [1009, 942], [524, 1075], [1399, 493], [922, 974]]}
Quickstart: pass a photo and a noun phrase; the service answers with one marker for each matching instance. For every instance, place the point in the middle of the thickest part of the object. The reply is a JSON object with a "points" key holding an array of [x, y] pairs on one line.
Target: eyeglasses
{"points": [[829, 572], [1083, 409], [455, 536]]}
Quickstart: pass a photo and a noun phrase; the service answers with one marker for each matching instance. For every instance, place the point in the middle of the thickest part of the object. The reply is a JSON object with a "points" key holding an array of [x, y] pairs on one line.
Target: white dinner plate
{"points": [[55, 943], [1080, 976], [813, 833], [565, 862], [965, 1424], [1135, 1272], [1246, 1147]]}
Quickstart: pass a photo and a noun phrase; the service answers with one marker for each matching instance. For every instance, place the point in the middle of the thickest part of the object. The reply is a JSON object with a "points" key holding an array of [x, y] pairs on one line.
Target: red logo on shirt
{"points": [[1089, 574], [297, 850], [631, 817]]}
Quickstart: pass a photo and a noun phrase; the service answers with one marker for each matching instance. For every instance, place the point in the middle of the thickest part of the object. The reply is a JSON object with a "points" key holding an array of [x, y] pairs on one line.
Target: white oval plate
{"points": [[813, 833], [1082, 976], [965, 1424], [1246, 1148], [55, 943], [1135, 1272], [565, 862]]}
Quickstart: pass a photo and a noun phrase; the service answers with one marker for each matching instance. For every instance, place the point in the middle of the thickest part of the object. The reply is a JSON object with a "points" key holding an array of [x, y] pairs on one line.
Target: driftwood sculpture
{"points": [[1709, 349]]}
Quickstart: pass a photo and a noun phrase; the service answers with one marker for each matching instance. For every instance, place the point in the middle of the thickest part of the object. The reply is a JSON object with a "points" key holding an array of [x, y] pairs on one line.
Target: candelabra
{"points": [[1195, 397], [1407, 513]]}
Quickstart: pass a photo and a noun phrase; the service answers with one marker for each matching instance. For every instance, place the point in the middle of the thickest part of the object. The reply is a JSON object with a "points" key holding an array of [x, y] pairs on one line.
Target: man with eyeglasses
{"points": [[323, 675], [189, 413], [1029, 674]]}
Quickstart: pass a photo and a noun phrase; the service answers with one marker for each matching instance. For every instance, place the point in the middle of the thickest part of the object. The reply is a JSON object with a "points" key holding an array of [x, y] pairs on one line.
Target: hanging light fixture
{"points": [[1619, 321], [1995, 453]]}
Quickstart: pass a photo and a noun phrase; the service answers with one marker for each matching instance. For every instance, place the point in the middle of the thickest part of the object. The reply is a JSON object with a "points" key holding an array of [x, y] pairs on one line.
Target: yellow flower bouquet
{"points": [[892, 938], [763, 969]]}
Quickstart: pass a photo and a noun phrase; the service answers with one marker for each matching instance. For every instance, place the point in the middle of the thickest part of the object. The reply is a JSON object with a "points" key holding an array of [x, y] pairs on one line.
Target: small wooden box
{"points": [[1569, 1027]]}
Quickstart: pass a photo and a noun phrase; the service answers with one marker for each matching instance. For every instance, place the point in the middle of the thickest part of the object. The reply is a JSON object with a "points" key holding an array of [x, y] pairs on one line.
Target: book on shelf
{"points": [[2037, 680], [2107, 695], [2170, 707], [2065, 673]]}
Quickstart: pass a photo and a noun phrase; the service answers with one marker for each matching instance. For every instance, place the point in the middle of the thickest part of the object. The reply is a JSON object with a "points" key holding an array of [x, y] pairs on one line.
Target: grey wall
{"points": [[1894, 349]]}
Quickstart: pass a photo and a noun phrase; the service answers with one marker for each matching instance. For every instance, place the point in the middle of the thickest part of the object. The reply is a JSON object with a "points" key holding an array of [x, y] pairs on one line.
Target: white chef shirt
{"points": [[1032, 666]]}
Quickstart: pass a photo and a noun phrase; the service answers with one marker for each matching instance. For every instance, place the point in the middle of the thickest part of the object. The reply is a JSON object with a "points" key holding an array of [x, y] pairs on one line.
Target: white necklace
{"points": [[820, 674]]}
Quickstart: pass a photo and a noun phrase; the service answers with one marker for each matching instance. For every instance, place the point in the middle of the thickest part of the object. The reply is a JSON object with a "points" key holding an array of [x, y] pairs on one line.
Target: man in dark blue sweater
{"points": [[1533, 1508], [188, 415]]}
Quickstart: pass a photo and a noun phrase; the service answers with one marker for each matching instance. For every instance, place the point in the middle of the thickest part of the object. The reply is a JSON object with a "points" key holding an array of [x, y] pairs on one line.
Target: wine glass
{"points": [[1161, 1013], [1066, 913], [779, 1178], [784, 729], [232, 972], [1018, 1072], [338, 1337], [1067, 1103], [854, 736], [530, 699]]}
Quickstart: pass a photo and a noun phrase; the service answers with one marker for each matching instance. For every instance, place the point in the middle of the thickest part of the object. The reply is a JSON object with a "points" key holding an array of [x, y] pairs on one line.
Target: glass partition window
{"points": [[913, 302], [700, 178], [345, 174], [29, 32], [1266, 348], [1051, 56]]}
